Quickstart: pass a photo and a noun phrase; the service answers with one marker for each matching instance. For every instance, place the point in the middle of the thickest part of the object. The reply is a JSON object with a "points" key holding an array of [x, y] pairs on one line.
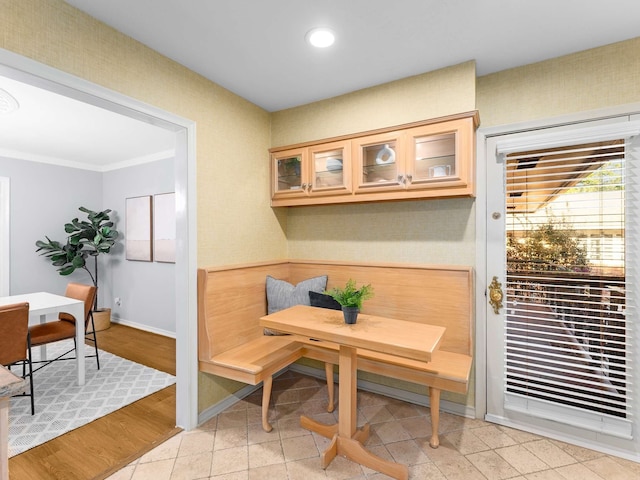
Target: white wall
{"points": [[43, 198], [146, 289], [5, 259]]}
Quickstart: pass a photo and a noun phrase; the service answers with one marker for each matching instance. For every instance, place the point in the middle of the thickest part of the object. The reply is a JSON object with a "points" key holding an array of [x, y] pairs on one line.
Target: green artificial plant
{"points": [[350, 296], [86, 239]]}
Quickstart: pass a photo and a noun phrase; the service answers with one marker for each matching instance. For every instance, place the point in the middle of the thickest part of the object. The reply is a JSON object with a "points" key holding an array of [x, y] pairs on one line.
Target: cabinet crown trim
{"points": [[457, 116]]}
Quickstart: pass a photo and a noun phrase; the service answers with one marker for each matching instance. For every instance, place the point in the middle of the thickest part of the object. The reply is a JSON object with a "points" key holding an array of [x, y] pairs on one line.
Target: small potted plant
{"points": [[351, 298]]}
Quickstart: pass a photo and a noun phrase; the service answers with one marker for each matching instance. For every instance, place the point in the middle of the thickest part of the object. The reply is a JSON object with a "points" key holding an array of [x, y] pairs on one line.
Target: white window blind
{"points": [[567, 338]]}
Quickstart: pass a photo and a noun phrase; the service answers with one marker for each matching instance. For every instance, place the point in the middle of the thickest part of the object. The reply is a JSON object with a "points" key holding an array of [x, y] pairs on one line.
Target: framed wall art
{"points": [[138, 229], [164, 228]]}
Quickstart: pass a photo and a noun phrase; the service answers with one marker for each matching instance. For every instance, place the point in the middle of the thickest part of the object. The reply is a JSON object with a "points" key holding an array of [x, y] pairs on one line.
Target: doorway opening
{"points": [[5, 252], [39, 75]]}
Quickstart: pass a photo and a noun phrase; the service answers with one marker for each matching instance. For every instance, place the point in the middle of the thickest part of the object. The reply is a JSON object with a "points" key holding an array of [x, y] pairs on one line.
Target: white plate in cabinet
{"points": [[440, 157], [330, 169], [379, 162]]}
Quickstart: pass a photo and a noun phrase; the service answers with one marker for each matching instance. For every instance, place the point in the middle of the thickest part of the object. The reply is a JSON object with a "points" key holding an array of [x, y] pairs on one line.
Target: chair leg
{"points": [[27, 363], [33, 406], [328, 370], [33, 402], [95, 339]]}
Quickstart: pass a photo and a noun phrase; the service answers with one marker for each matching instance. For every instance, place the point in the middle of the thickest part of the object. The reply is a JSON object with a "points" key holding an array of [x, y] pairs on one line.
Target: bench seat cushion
{"points": [[446, 371], [262, 355]]}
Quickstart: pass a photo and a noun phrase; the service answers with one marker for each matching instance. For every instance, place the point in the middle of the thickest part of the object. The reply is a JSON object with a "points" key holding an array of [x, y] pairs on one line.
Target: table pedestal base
{"points": [[353, 449]]}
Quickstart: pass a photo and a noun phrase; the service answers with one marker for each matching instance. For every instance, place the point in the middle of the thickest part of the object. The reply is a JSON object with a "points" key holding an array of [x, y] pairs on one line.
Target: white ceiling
{"points": [[256, 49], [52, 128]]}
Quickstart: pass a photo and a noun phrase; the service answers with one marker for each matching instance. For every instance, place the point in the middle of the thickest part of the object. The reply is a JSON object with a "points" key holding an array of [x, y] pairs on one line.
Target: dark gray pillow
{"points": [[323, 300], [281, 294]]}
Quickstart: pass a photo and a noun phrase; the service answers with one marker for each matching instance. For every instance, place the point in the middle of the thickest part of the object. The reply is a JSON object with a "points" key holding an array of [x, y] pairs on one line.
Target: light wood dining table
{"points": [[412, 340]]}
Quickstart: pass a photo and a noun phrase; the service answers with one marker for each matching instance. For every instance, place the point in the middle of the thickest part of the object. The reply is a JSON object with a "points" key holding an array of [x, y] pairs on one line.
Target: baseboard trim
{"points": [[141, 326], [231, 400], [591, 444]]}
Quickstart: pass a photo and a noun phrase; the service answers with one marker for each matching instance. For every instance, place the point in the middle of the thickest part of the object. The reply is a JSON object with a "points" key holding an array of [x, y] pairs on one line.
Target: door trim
{"points": [[5, 237], [43, 76], [483, 134]]}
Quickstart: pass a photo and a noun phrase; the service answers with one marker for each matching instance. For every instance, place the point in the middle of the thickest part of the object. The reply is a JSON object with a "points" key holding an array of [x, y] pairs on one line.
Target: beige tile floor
{"points": [[233, 446]]}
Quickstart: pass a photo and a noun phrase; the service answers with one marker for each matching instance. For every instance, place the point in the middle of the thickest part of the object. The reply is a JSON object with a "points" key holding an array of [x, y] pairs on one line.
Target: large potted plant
{"points": [[351, 298], [86, 241]]}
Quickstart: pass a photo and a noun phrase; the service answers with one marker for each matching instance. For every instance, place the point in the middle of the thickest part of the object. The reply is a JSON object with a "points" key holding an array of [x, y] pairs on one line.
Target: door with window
{"points": [[561, 249]]}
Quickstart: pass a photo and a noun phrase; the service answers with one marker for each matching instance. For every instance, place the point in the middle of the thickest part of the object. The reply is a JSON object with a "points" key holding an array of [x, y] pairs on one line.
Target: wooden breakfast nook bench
{"points": [[231, 343]]}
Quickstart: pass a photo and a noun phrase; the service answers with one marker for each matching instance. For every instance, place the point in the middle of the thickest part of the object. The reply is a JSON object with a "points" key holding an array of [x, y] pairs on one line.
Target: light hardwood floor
{"points": [[97, 449]]}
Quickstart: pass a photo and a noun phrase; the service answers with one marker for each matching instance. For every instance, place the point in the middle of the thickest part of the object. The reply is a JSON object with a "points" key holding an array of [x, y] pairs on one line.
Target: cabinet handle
{"points": [[401, 179], [409, 178], [304, 186]]}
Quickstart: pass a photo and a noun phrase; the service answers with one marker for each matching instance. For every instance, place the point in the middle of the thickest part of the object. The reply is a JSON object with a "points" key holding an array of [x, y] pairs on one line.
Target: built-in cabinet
{"points": [[434, 158], [306, 172]]}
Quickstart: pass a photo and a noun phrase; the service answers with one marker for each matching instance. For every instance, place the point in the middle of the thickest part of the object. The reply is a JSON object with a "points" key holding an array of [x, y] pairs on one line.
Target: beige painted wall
{"points": [[429, 95], [428, 231], [235, 221], [597, 78], [431, 231]]}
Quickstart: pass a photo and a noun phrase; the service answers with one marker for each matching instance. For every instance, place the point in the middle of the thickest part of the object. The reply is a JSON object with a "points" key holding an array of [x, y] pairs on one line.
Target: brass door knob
{"points": [[495, 295]]}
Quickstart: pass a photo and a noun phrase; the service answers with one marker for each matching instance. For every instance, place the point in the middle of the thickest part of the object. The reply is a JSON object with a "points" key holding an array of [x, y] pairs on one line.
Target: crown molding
{"points": [[32, 157]]}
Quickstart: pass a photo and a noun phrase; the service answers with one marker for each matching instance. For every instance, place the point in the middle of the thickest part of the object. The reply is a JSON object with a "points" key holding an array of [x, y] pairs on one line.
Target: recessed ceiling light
{"points": [[320, 37], [8, 104]]}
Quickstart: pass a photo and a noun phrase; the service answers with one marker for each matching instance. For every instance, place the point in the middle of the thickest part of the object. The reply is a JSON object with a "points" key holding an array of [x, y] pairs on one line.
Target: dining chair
{"points": [[15, 345], [65, 327]]}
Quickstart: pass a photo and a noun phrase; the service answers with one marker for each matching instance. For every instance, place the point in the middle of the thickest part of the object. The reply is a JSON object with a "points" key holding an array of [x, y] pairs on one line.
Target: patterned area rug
{"points": [[62, 405]]}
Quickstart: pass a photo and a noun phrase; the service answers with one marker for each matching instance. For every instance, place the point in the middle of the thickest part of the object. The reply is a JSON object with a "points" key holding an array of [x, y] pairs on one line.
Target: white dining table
{"points": [[42, 304]]}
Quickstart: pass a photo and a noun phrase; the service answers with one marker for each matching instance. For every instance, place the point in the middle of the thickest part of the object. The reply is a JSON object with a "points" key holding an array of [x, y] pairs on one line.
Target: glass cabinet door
{"points": [[379, 162], [435, 159], [289, 171], [330, 168]]}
